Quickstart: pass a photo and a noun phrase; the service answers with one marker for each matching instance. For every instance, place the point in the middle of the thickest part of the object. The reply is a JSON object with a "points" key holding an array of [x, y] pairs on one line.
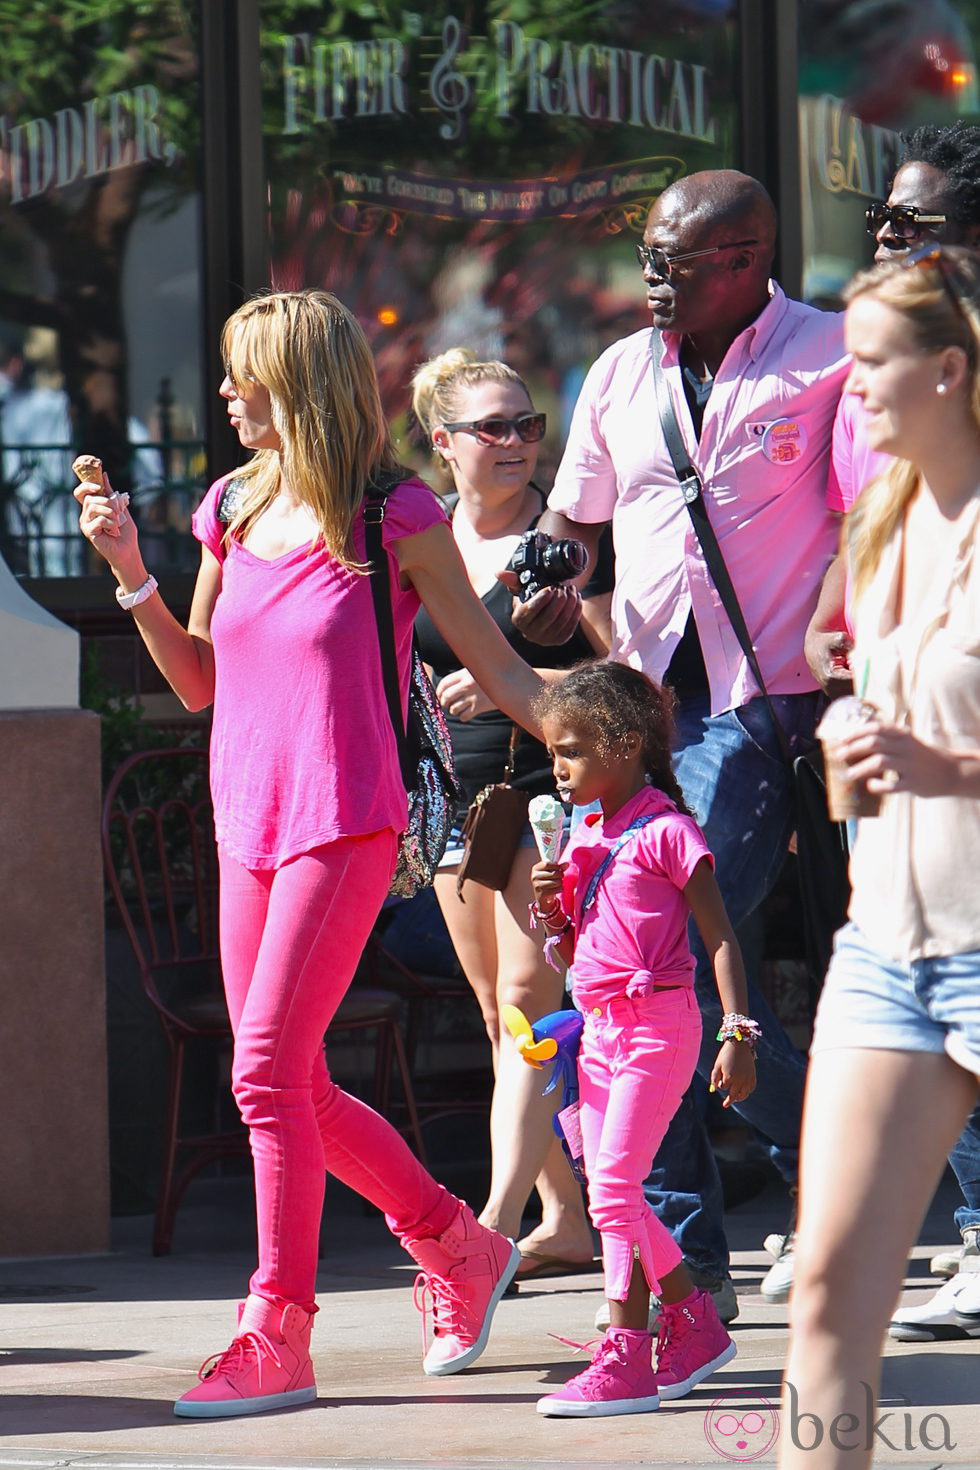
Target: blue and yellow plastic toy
{"points": [[556, 1038]]}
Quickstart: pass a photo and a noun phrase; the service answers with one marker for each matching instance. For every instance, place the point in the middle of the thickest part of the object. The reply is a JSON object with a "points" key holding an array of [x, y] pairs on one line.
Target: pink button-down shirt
{"points": [[763, 458], [853, 463]]}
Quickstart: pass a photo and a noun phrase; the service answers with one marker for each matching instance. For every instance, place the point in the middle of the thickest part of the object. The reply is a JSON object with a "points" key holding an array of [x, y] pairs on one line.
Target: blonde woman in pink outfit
{"points": [[309, 804]]}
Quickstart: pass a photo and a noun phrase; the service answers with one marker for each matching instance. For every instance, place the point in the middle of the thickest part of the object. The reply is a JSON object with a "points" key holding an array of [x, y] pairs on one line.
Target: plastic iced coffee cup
{"points": [[846, 798]]}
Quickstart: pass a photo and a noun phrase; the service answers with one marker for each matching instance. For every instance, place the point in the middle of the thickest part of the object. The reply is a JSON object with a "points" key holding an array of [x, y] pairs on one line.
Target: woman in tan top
{"points": [[896, 1053]]}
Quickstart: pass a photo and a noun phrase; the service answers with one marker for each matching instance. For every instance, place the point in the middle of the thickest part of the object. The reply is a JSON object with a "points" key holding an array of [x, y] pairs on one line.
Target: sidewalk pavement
{"points": [[94, 1350]]}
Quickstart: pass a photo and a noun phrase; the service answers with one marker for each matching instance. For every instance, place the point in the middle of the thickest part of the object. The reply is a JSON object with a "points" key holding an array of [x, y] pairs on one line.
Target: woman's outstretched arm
{"points": [[432, 563], [184, 656]]}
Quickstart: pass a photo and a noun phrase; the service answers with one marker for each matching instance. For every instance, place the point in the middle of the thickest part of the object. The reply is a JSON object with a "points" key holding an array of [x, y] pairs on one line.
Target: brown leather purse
{"points": [[492, 830]]}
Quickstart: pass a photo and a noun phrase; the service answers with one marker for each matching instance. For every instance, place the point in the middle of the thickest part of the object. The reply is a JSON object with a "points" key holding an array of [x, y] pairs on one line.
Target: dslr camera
{"points": [[541, 562]]}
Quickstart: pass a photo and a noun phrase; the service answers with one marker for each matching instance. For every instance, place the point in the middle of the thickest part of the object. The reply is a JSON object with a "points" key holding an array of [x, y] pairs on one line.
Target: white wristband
{"points": [[130, 600]]}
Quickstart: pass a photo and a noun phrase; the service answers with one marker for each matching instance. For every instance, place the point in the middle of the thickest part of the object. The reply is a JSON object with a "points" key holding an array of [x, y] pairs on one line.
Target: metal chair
{"points": [[161, 867], [461, 1090]]}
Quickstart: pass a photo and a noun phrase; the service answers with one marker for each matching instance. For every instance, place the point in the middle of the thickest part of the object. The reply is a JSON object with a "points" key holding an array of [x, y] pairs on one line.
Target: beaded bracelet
{"points": [[739, 1028], [556, 914]]}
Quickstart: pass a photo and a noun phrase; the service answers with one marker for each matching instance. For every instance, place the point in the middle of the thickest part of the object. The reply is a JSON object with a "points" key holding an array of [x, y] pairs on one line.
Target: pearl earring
{"points": [[940, 389]]}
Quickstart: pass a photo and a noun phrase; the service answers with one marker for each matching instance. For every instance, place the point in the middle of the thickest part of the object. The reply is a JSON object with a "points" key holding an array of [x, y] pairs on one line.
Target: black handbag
{"points": [[821, 844], [425, 751], [492, 830]]}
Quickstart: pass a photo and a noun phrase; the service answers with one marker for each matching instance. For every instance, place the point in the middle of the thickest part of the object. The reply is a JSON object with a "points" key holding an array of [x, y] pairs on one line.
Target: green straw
{"points": [[865, 672]]}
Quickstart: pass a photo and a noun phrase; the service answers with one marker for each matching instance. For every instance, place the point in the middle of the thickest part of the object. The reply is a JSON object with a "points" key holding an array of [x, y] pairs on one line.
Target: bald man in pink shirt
{"points": [[755, 379]]}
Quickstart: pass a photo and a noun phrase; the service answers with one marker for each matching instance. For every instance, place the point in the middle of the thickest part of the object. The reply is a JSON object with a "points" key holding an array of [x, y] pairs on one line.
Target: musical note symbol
{"points": [[449, 89]]}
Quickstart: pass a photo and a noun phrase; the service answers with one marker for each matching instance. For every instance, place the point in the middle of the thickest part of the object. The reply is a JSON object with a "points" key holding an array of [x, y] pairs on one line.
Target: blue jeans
{"points": [[739, 786], [965, 1160], [964, 1156]]}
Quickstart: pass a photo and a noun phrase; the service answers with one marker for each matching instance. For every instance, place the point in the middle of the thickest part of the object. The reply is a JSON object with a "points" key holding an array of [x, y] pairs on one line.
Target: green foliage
{"points": [[124, 729]]}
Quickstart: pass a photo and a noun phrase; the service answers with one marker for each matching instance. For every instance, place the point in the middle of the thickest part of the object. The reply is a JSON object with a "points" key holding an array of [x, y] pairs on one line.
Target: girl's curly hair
{"points": [[609, 701]]}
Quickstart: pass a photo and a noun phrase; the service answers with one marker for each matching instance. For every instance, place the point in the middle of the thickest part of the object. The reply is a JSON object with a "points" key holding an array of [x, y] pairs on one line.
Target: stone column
{"points": [[54, 1151]]}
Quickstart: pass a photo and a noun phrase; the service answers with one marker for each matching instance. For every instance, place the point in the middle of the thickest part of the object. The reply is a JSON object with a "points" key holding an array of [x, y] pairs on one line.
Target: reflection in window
{"points": [[867, 74], [458, 177], [100, 250]]}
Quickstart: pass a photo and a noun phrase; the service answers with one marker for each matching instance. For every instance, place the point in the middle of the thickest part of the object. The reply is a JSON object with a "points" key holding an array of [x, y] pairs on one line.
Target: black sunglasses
{"points": [[907, 222], [530, 429], [653, 258]]}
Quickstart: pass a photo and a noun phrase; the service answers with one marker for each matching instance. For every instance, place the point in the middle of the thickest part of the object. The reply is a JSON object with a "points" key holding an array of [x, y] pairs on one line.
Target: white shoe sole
{"points": [[556, 1408], [671, 1391], [441, 1368], [235, 1408], [937, 1332]]}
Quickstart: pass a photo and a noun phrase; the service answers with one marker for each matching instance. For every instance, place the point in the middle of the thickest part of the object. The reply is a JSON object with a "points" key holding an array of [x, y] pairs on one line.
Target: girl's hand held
{"points": [[734, 1072], [546, 881]]}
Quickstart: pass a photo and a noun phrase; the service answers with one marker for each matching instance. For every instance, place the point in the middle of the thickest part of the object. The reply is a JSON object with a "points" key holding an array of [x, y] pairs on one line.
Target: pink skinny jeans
{"points": [[290, 942], [636, 1061]]}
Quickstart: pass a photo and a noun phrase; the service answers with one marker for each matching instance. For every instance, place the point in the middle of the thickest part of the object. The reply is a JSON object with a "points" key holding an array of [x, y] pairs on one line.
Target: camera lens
{"points": [[564, 559]]}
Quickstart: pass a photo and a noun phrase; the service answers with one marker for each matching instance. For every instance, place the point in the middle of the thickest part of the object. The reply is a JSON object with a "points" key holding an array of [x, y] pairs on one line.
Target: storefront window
{"points": [[100, 255], [867, 73], [477, 175]]}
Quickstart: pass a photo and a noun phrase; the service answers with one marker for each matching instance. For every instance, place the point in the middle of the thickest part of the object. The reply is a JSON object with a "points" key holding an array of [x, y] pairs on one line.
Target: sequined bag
{"points": [[425, 750]]}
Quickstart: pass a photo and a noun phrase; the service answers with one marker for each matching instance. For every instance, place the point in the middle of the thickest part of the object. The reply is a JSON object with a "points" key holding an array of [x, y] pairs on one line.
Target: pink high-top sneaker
{"points": [[267, 1366], [464, 1272], [619, 1380], [691, 1345]]}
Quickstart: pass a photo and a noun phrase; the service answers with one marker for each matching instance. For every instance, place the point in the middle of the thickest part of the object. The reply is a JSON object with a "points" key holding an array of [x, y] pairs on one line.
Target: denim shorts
{"points": [[929, 1005], [453, 855]]}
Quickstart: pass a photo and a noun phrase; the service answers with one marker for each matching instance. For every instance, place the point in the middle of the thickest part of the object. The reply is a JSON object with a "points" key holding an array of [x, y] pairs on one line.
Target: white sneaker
{"points": [[774, 1244], [952, 1313], [778, 1280], [965, 1258]]}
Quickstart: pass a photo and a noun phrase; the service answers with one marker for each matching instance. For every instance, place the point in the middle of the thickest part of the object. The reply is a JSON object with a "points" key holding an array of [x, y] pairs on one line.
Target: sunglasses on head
{"points": [[907, 222], [935, 255], [530, 429]]}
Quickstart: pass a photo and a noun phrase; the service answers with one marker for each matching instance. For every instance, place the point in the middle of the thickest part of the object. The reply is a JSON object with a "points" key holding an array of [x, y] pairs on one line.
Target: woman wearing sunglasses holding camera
{"points": [[482, 426]]}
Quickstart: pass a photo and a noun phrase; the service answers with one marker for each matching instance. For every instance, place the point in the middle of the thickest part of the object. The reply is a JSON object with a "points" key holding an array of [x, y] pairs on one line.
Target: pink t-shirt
{"points": [[853, 463], [763, 458], [633, 937], [302, 749]]}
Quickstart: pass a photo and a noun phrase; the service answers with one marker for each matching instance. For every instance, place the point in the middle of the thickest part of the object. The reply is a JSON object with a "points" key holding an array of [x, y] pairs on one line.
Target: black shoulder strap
{"points": [[375, 503], [692, 492]]}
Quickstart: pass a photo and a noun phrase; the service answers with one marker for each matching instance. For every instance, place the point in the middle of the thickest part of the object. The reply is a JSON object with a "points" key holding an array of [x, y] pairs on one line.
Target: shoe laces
{"points": [[609, 1354], [663, 1332], [445, 1301], [670, 1313], [578, 1347], [238, 1356], [608, 1350]]}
